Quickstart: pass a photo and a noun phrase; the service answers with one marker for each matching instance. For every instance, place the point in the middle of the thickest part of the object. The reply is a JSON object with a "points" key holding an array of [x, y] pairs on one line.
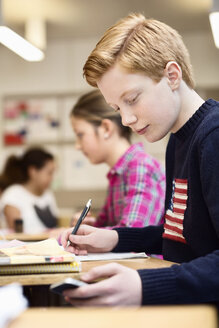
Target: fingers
{"points": [[79, 251], [76, 250], [92, 290], [122, 288], [83, 230], [91, 302], [79, 240], [102, 271], [65, 237], [98, 289], [83, 236]]}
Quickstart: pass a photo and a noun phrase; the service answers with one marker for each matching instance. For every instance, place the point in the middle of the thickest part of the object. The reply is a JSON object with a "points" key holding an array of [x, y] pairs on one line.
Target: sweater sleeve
{"points": [[209, 171], [148, 239], [189, 283]]}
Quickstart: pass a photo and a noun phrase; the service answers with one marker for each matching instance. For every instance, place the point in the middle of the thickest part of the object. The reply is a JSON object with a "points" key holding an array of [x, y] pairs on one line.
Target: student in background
{"points": [[136, 189], [143, 69], [25, 181]]}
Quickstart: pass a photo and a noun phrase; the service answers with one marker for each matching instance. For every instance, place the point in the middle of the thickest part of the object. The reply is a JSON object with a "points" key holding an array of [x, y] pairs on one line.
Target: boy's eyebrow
{"points": [[124, 94], [128, 91]]}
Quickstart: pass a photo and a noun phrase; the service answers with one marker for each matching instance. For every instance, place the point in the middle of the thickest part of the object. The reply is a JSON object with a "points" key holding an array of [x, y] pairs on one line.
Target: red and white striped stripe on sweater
{"points": [[173, 227]]}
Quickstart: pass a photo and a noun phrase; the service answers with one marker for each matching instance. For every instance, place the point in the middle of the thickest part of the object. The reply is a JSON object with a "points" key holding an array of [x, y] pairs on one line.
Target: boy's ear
{"points": [[107, 128], [173, 73]]}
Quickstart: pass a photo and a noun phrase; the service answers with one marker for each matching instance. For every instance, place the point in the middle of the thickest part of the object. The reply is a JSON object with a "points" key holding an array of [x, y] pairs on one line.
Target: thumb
{"points": [[79, 239], [102, 271]]}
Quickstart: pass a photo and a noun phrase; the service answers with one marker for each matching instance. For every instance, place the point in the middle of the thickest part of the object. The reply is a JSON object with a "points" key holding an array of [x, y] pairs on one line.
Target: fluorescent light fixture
{"points": [[19, 45], [35, 32], [214, 21]]}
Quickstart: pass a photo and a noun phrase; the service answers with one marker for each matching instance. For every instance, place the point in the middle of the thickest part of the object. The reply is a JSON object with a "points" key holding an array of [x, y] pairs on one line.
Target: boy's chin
{"points": [[156, 135], [153, 138]]}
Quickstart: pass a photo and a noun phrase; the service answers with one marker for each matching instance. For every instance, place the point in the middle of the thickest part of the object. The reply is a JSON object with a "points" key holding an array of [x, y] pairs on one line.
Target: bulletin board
{"points": [[35, 119], [44, 120]]}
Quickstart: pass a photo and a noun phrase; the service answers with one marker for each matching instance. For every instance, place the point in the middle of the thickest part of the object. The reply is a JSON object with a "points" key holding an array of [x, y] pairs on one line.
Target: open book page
{"points": [[109, 256], [46, 251]]}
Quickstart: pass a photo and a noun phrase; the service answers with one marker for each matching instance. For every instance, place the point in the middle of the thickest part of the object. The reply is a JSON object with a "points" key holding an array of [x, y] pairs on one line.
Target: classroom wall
{"points": [[205, 59], [61, 72]]}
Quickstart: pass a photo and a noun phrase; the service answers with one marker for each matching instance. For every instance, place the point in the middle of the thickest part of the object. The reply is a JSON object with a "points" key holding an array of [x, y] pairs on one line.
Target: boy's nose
{"points": [[128, 120]]}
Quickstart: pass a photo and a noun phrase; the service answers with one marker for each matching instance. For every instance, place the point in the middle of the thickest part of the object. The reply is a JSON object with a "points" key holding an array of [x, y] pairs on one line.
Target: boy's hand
{"points": [[89, 240], [122, 288]]}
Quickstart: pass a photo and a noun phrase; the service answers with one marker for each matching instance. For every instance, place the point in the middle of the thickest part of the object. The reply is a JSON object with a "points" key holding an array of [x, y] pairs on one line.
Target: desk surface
{"points": [[159, 316], [47, 279], [51, 233], [26, 236]]}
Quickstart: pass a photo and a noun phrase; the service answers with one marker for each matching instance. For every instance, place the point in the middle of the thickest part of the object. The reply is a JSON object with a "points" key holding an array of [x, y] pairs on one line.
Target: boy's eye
{"points": [[116, 108], [132, 100], [80, 135]]}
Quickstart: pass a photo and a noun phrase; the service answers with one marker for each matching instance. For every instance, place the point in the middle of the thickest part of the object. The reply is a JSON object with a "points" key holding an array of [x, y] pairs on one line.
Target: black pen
{"points": [[81, 218]]}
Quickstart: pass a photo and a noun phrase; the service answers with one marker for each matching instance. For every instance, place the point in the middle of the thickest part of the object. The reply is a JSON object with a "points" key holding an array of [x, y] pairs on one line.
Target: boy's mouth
{"points": [[142, 131]]}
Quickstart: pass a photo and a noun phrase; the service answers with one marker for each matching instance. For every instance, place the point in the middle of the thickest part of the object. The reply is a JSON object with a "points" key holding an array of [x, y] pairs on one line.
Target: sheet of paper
{"points": [[12, 243], [42, 248], [109, 256]]}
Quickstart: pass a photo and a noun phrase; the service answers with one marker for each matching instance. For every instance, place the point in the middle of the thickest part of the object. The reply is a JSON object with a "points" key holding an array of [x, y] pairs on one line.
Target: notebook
{"points": [[40, 268], [39, 257]]}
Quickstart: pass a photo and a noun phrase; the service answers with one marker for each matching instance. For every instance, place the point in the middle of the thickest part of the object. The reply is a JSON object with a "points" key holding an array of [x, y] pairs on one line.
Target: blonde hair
{"points": [[93, 108], [139, 45]]}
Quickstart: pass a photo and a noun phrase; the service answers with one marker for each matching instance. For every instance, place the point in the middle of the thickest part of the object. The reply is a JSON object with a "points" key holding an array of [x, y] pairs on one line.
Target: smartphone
{"points": [[68, 283]]}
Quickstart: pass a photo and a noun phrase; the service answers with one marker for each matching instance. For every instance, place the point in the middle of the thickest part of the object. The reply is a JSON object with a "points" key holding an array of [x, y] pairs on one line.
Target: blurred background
{"points": [[46, 90]]}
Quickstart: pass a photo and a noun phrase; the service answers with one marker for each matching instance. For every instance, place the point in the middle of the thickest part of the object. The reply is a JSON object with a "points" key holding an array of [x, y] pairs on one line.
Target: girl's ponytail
{"points": [[12, 172]]}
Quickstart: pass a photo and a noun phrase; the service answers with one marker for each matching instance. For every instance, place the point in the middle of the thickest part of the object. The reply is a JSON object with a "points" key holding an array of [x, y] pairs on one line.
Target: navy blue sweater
{"points": [[190, 235]]}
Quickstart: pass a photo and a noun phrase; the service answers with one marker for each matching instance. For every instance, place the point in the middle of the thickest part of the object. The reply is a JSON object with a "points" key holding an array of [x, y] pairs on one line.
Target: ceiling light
{"points": [[214, 21], [19, 45], [16, 43]]}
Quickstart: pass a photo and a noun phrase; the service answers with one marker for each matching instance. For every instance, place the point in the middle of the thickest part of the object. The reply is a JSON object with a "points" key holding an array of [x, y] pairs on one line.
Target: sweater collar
{"points": [[195, 120]]}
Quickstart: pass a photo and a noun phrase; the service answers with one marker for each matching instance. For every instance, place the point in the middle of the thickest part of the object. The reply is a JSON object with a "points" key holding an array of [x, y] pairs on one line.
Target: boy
{"points": [[143, 69]]}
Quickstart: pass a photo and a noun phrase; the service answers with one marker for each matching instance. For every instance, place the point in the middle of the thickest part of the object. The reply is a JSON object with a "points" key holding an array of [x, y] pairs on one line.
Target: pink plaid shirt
{"points": [[136, 191]]}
